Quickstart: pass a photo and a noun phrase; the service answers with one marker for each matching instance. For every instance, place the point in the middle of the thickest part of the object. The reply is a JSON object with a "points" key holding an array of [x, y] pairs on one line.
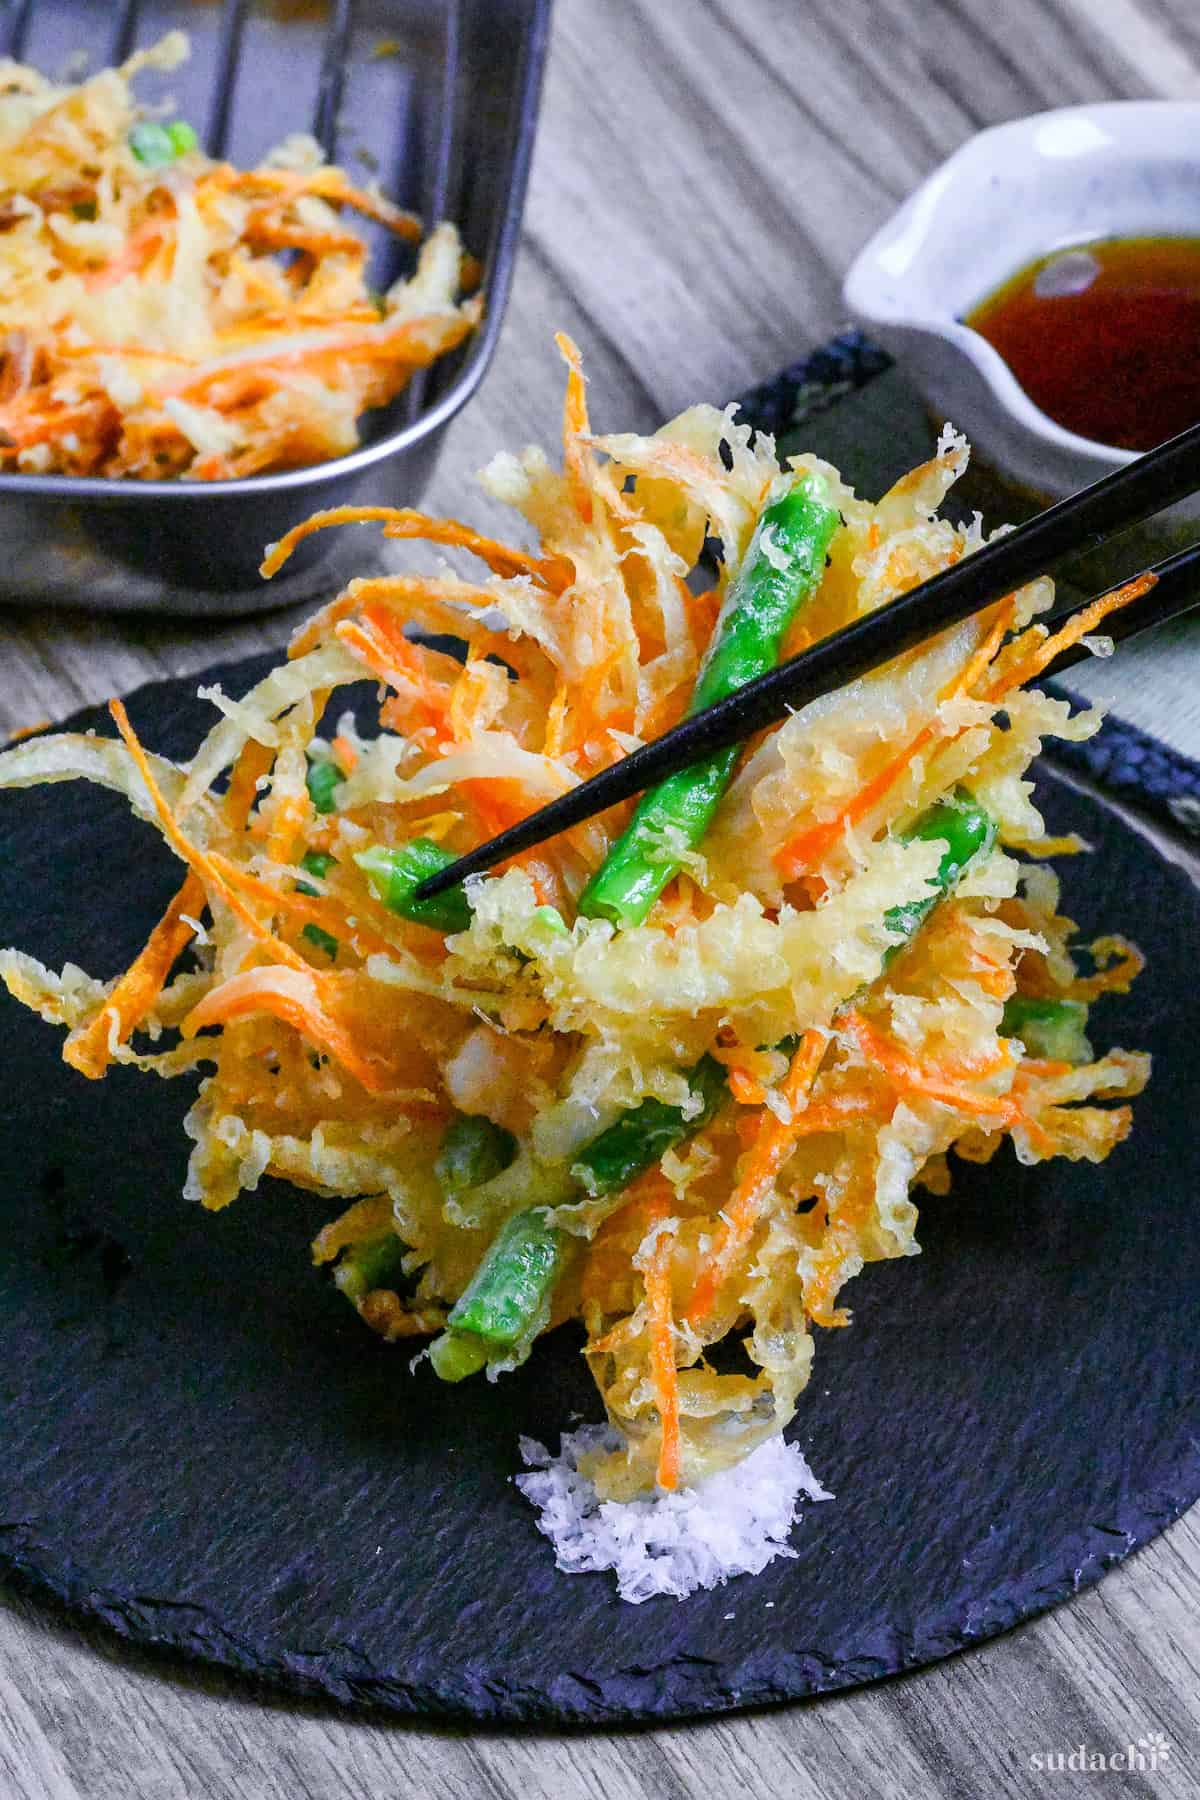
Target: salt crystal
{"points": [[733, 1523]]}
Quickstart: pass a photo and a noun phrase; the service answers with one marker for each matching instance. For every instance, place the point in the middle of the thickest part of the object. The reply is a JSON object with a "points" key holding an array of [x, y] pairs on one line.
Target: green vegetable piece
{"points": [[324, 940], [1055, 1029], [154, 143], [183, 136], [472, 1151], [323, 780], [375, 1263], [781, 571], [510, 1290], [395, 874], [151, 143], [967, 830], [318, 863], [643, 1135], [455, 1355]]}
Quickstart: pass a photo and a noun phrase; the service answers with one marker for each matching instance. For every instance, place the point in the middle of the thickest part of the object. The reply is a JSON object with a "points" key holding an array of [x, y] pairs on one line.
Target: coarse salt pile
{"points": [[734, 1523]]}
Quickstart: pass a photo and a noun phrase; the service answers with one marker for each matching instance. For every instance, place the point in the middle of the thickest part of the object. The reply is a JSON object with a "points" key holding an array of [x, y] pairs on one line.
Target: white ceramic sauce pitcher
{"points": [[1013, 194]]}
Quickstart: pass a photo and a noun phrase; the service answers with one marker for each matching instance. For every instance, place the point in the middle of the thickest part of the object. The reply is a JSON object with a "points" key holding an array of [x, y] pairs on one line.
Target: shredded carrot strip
{"points": [[656, 1278], [1070, 845], [328, 356], [842, 1235], [774, 1144], [254, 759], [89, 1049], [942, 1084], [1076, 628], [748, 1069], [327, 184], [191, 854], [322, 911], [606, 1251], [987, 651], [799, 855], [556, 723], [274, 234], [703, 611], [345, 754], [553, 572], [745, 1089], [287, 825], [391, 656], [1125, 963], [575, 425], [120, 351], [500, 801], [293, 997], [439, 603], [132, 257], [26, 428], [469, 697]]}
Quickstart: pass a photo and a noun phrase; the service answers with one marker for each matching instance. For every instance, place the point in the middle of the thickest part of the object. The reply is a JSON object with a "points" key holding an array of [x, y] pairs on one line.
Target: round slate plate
{"points": [[201, 1445]]}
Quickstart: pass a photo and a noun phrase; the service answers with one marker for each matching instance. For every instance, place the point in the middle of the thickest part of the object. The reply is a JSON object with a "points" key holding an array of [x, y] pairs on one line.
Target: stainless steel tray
{"points": [[435, 98]]}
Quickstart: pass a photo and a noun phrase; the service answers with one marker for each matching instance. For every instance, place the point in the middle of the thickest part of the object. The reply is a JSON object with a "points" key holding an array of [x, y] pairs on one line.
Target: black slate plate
{"points": [[200, 1445]]}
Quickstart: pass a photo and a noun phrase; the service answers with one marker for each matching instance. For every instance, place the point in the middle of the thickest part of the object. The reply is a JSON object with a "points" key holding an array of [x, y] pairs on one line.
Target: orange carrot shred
{"points": [[552, 572], [575, 426], [1076, 628], [90, 1048], [345, 754], [293, 997], [196, 858], [776, 1139], [806, 848], [943, 1084], [656, 1277]]}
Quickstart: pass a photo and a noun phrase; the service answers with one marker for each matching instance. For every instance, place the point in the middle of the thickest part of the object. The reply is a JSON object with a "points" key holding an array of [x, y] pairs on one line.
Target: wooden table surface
{"points": [[705, 171]]}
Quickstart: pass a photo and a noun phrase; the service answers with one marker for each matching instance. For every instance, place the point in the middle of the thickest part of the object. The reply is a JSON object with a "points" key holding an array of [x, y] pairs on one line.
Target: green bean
{"points": [[507, 1299], [154, 143], [456, 1354], [967, 830], [642, 1136], [1055, 1029], [322, 939], [183, 136], [318, 863], [375, 1263], [323, 780], [396, 874], [782, 569], [473, 1150]]}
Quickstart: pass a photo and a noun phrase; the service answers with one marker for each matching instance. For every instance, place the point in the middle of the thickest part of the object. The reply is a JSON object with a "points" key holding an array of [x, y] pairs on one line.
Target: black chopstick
{"points": [[1176, 591], [1082, 521]]}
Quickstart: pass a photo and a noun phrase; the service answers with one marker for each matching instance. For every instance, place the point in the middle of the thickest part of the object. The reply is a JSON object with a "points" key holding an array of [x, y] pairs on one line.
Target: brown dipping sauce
{"points": [[1105, 337]]}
